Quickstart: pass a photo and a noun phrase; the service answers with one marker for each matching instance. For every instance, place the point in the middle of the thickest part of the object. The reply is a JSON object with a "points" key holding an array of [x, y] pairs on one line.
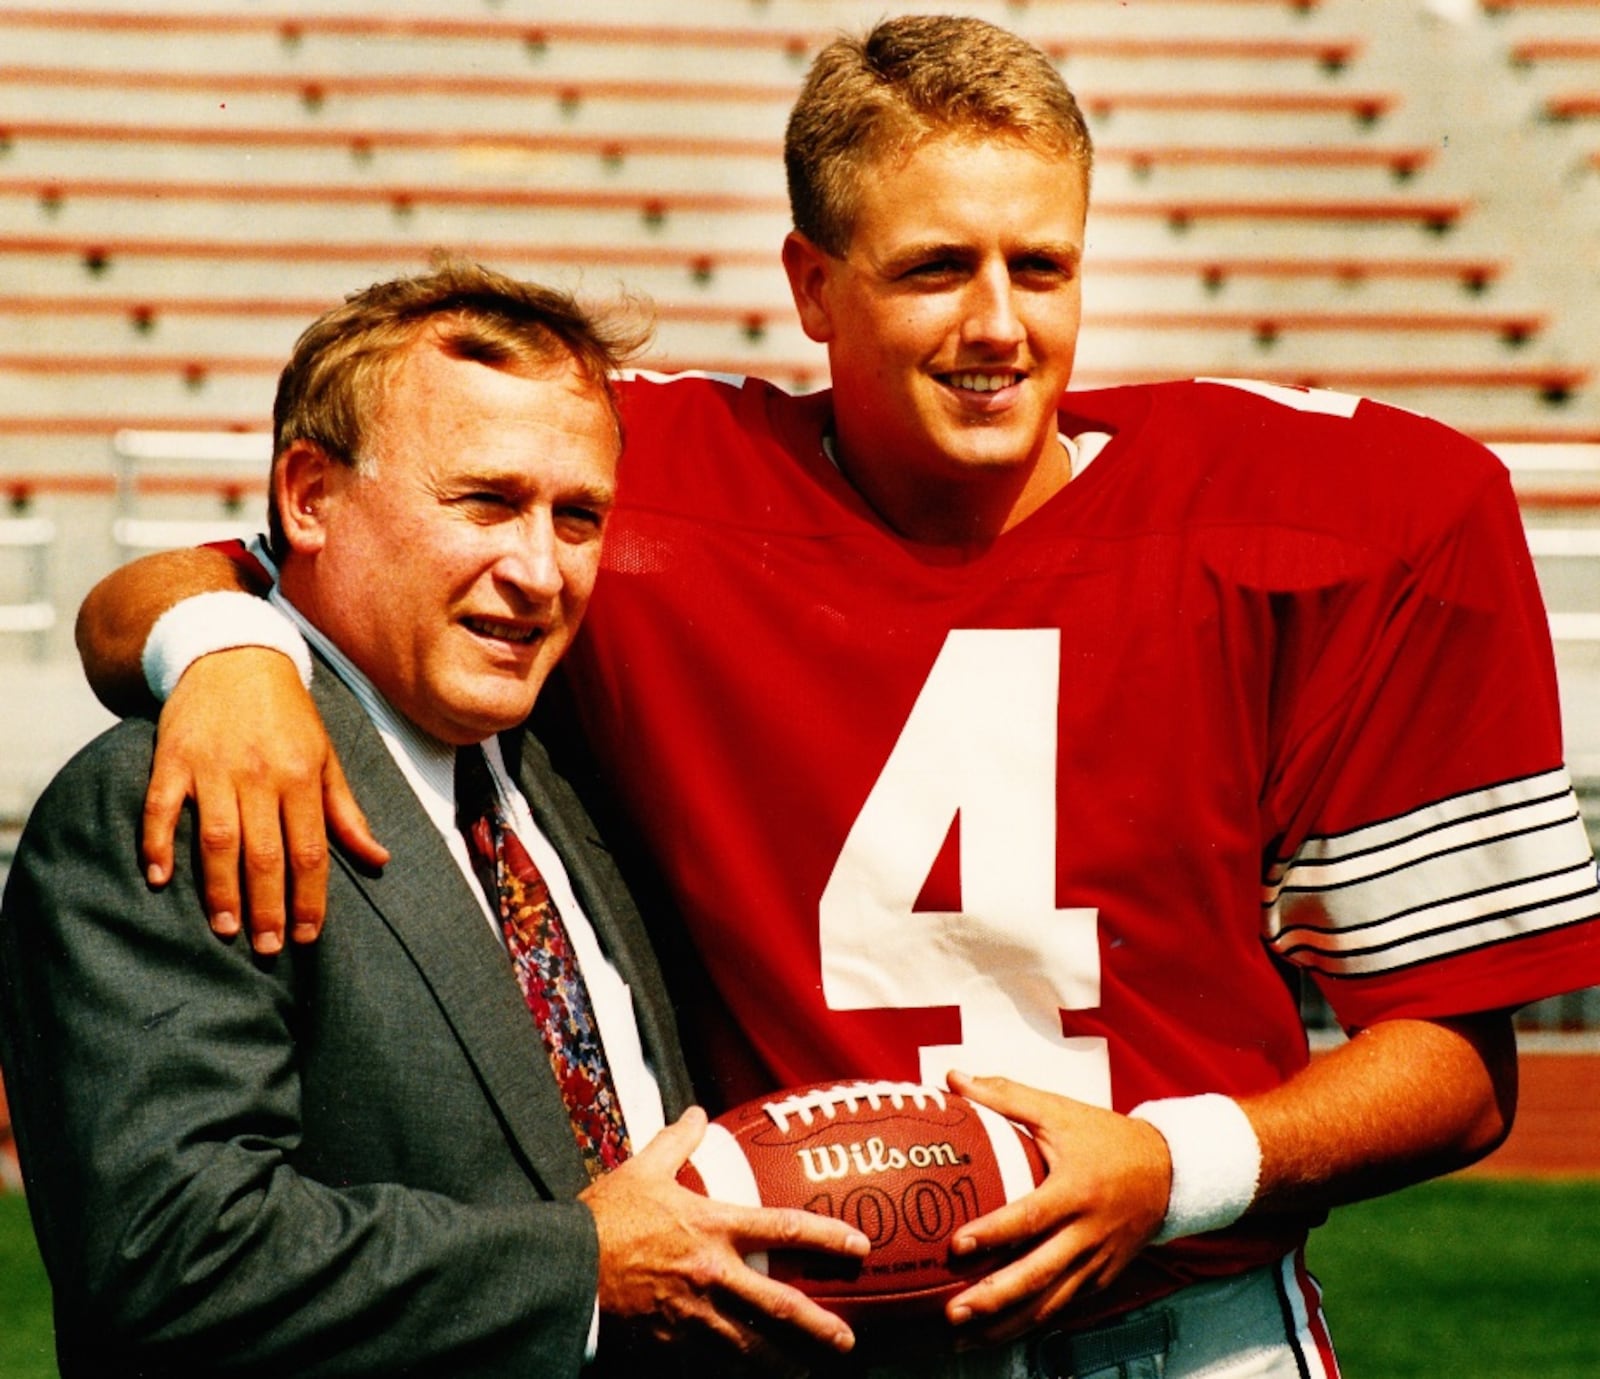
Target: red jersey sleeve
{"points": [[247, 558], [1430, 859]]}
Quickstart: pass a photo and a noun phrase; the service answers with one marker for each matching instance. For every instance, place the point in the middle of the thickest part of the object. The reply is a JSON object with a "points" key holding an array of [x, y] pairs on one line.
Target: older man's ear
{"points": [[304, 478]]}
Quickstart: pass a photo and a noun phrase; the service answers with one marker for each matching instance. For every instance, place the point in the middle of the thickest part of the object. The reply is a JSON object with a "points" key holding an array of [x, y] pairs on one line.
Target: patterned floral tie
{"points": [[546, 967]]}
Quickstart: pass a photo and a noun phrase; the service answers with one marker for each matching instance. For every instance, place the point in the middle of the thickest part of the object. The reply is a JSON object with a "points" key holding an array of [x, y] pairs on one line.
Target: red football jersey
{"points": [[1268, 686]]}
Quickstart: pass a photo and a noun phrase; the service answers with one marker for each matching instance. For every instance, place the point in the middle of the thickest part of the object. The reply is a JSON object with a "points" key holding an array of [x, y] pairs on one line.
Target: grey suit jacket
{"points": [[350, 1159]]}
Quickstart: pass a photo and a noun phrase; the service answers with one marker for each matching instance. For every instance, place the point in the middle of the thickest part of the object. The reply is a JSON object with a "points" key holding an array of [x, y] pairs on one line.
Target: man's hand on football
{"points": [[673, 1262], [1104, 1198], [241, 737]]}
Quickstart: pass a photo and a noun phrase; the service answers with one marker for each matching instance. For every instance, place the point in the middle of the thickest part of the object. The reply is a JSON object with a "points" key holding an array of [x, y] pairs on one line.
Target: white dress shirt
{"points": [[429, 768]]}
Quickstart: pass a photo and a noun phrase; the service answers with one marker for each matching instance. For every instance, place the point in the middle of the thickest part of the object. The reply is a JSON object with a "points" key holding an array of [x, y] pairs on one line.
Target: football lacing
{"points": [[828, 1100]]}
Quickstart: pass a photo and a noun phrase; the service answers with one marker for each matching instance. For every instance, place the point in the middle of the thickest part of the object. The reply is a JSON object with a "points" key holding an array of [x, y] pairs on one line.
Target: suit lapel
{"points": [[609, 908], [423, 898]]}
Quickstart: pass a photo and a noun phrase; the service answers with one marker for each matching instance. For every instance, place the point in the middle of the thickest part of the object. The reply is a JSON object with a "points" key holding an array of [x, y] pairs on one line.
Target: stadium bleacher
{"points": [[1394, 199]]}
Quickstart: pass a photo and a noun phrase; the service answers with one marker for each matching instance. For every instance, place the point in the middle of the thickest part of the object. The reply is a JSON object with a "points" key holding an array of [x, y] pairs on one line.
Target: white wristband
{"points": [[1216, 1162], [218, 621]]}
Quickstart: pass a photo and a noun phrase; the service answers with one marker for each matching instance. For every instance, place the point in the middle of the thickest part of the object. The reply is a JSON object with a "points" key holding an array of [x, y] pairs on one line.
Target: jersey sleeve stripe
{"points": [[1312, 919], [1470, 872], [1379, 950], [1414, 883], [1478, 807], [1312, 873]]}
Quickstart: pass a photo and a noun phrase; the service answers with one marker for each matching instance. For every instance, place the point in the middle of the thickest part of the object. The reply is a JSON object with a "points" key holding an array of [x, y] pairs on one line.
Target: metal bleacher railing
{"points": [[26, 606], [569, 146], [161, 474]]}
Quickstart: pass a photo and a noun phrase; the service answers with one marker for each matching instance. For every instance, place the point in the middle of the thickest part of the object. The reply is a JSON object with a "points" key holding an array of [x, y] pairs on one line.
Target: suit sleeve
{"points": [[155, 1088]]}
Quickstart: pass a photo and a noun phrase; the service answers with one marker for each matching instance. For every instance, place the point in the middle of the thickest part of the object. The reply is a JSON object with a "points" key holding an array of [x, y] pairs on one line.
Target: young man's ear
{"points": [[810, 271], [303, 479]]}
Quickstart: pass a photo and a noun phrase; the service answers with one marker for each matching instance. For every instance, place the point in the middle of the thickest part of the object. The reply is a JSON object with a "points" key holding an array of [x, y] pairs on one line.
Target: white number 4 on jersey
{"points": [[980, 742]]}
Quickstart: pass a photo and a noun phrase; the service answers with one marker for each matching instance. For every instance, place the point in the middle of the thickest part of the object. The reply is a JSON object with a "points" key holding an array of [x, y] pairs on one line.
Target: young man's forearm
{"points": [[1399, 1103], [119, 612]]}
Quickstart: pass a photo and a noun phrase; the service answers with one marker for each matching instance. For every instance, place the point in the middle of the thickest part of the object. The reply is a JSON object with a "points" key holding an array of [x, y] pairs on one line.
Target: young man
{"points": [[1051, 738], [386, 1154]]}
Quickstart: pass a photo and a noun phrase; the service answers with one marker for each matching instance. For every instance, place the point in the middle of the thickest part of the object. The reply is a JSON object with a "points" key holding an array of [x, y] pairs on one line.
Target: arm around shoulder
{"points": [[239, 737], [116, 617]]}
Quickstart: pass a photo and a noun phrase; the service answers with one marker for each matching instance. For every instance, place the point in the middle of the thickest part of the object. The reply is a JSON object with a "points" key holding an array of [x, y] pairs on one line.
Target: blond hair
{"points": [[909, 79]]}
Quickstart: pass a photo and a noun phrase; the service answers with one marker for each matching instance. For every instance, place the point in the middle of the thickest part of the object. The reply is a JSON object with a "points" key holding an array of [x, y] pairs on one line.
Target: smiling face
{"points": [[454, 564], [951, 322]]}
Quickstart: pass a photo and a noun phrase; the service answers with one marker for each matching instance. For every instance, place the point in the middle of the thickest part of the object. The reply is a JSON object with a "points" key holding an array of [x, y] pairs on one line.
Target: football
{"points": [[903, 1163]]}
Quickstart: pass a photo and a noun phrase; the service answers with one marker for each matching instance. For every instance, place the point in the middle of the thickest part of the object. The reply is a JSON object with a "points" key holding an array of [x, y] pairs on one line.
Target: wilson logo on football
{"points": [[828, 1162], [904, 1163]]}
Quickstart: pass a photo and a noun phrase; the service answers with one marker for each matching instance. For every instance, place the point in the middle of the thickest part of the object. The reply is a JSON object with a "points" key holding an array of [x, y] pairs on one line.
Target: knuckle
{"points": [[218, 836], [253, 764], [1034, 1218], [302, 769], [782, 1305], [795, 1227], [310, 855], [264, 855], [163, 794], [706, 1273]]}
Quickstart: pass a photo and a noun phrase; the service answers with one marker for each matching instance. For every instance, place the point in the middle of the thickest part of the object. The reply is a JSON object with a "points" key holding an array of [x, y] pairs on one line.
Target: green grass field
{"points": [[27, 1344], [1470, 1277], [1467, 1278]]}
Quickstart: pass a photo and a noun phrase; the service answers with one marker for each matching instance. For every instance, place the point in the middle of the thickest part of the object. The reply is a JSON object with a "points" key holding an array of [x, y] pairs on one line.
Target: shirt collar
{"points": [[426, 762]]}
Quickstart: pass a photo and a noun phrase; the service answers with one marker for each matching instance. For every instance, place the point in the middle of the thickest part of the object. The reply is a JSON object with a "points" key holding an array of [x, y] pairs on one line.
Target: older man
{"points": [[408, 1149]]}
